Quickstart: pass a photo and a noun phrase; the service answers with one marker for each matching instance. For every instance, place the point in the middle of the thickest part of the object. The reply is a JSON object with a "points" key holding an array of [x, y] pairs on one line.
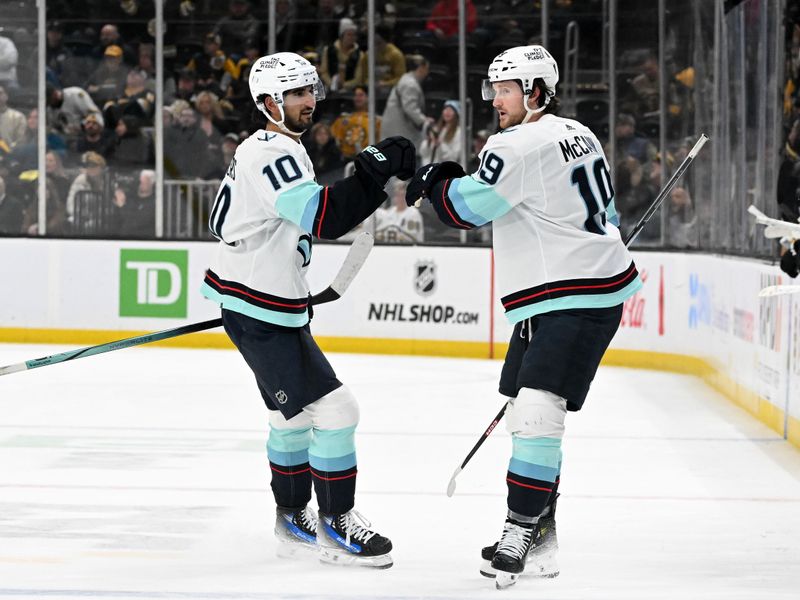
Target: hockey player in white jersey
{"points": [[267, 210], [562, 273]]}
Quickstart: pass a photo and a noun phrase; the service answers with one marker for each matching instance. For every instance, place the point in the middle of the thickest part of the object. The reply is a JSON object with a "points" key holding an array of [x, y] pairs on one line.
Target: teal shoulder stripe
{"points": [[611, 213], [299, 204], [262, 314], [477, 202], [568, 302]]}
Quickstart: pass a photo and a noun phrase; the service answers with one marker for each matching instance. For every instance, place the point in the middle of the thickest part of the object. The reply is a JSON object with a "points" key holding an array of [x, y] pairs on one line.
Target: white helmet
{"points": [[526, 64], [278, 73]]}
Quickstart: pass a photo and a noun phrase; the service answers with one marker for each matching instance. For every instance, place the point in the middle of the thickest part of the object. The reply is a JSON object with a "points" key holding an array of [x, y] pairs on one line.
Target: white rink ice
{"points": [[142, 474]]}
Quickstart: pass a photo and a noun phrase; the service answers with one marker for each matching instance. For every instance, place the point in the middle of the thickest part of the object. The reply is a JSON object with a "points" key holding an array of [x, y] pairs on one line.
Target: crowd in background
{"points": [[101, 102]]}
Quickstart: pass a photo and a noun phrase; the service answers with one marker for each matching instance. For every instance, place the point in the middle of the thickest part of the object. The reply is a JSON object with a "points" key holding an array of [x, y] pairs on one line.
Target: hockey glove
{"points": [[428, 176], [789, 263], [393, 156]]}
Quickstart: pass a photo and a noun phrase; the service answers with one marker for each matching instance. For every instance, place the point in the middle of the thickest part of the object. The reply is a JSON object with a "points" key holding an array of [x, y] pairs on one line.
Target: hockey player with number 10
{"points": [[563, 273], [266, 212]]}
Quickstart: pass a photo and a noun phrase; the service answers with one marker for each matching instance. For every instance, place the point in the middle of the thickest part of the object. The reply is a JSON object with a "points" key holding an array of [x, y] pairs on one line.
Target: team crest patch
{"points": [[281, 397], [231, 172], [425, 277]]}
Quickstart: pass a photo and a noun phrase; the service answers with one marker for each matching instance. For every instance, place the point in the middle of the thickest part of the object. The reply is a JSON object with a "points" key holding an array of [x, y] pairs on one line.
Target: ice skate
{"points": [[347, 540], [296, 531], [542, 558]]}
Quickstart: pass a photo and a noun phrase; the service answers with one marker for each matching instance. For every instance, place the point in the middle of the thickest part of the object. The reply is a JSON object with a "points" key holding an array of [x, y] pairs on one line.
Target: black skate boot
{"points": [[542, 557], [347, 540], [296, 530], [511, 553]]}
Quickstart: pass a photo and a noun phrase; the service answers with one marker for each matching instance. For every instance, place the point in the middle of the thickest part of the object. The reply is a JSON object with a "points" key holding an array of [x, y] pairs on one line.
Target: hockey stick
{"points": [[451, 486], [356, 256], [667, 188], [778, 290]]}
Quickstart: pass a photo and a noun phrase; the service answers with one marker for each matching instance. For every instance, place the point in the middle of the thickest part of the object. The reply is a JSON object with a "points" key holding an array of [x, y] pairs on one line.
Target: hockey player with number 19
{"points": [[266, 212], [562, 272]]}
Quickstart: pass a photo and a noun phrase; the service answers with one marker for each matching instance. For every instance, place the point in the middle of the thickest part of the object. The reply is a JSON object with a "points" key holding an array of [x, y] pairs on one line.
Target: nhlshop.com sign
{"points": [[421, 313]]}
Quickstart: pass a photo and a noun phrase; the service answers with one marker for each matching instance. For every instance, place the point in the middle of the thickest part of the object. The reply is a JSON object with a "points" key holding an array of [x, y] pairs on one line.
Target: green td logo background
{"points": [[152, 283]]}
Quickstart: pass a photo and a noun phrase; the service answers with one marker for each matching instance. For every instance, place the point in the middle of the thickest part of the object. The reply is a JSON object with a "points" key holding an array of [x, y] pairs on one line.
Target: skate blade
{"points": [[504, 580], [487, 570], [547, 570], [296, 550], [343, 558]]}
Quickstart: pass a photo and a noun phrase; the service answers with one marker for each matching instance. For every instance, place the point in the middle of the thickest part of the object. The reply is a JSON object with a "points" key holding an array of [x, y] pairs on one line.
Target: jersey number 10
{"points": [[596, 219]]}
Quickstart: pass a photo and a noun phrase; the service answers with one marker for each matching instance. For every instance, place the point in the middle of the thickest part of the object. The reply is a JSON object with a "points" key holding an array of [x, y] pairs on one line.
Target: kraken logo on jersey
{"points": [[231, 172], [281, 397], [425, 277]]}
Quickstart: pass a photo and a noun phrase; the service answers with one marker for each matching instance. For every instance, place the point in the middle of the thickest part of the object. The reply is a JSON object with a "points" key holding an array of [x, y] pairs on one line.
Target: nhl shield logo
{"points": [[281, 397], [425, 277]]}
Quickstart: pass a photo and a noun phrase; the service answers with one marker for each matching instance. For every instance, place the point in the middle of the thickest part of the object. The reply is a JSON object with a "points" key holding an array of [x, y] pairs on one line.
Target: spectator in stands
{"points": [[229, 144], [69, 106], [212, 65], [133, 149], [12, 123], [680, 209], [323, 28], [631, 144], [788, 188], [60, 57], [351, 130], [633, 196], [25, 154], [136, 207], [11, 212], [108, 80], [340, 59], [136, 100], [110, 36], [645, 86], [404, 114], [443, 22], [211, 112], [442, 141], [285, 17], [389, 63], [399, 223], [95, 138], [479, 140], [92, 178], [56, 190], [237, 27], [324, 153], [185, 153], [57, 177], [187, 85], [8, 63]]}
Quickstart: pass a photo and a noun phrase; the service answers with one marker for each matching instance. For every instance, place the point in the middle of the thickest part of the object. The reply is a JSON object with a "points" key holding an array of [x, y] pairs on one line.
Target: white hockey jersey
{"points": [[263, 216], [546, 188]]}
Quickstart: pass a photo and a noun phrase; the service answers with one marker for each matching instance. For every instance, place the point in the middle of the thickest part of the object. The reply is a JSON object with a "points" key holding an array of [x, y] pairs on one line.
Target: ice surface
{"points": [[142, 474]]}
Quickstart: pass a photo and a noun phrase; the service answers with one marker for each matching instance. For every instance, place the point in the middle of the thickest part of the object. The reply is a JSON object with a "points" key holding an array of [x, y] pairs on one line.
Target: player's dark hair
{"points": [[553, 105]]}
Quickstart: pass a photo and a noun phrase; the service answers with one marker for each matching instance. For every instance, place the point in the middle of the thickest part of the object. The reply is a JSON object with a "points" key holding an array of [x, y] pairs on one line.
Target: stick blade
{"points": [[451, 486], [778, 290]]}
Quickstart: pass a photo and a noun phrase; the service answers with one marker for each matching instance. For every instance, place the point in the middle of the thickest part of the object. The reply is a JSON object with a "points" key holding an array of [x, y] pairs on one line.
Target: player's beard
{"points": [[299, 125]]}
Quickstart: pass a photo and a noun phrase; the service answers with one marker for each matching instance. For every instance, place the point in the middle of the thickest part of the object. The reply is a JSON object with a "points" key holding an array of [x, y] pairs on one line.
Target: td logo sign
{"points": [[152, 283]]}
